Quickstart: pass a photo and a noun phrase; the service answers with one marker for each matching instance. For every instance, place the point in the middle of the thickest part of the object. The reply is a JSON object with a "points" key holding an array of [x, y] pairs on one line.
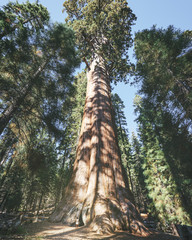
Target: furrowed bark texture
{"points": [[97, 194]]}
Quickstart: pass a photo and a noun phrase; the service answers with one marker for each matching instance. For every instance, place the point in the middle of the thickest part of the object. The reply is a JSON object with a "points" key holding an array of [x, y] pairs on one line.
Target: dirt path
{"points": [[57, 231]]}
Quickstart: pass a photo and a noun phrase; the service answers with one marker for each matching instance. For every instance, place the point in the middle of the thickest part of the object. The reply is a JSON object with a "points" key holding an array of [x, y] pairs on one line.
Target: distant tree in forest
{"points": [[136, 169], [131, 154], [77, 101], [122, 134]]}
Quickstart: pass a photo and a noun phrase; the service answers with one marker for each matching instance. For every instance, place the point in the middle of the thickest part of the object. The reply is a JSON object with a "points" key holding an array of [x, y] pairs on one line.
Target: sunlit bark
{"points": [[98, 192]]}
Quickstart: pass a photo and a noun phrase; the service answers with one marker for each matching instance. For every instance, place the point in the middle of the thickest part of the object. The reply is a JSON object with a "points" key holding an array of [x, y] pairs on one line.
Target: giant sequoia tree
{"points": [[98, 193]]}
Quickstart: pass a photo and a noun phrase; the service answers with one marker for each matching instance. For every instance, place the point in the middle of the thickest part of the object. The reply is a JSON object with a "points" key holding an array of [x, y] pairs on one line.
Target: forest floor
{"points": [[57, 231]]}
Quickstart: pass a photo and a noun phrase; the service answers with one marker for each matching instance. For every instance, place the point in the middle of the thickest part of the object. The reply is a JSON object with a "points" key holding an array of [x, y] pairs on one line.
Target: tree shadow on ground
{"points": [[58, 231]]}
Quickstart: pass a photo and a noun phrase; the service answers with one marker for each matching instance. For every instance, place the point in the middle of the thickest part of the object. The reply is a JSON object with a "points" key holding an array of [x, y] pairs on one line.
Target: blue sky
{"points": [[149, 12]]}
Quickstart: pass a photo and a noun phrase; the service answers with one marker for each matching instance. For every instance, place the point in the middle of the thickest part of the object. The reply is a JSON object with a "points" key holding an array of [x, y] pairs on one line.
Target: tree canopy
{"points": [[103, 28]]}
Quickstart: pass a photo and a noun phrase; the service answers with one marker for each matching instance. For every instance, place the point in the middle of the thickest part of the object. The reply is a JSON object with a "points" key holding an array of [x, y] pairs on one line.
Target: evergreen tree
{"points": [[31, 175], [138, 183], [167, 201], [77, 101], [37, 63], [122, 134], [164, 72], [98, 193], [15, 16], [33, 64]]}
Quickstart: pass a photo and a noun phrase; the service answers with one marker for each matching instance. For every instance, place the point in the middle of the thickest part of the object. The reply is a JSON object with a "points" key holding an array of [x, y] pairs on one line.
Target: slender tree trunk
{"points": [[34, 207], [97, 194], [2, 204], [3, 156], [9, 165], [40, 203]]}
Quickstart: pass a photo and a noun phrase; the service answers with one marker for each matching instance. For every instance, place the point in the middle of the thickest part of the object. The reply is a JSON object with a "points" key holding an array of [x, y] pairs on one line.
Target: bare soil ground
{"points": [[58, 231]]}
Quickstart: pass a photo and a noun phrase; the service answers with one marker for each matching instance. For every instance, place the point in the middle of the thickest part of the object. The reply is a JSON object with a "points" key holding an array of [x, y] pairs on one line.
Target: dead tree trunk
{"points": [[97, 194]]}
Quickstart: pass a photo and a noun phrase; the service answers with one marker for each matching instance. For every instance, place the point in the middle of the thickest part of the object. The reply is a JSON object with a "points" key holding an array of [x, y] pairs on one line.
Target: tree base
{"points": [[105, 218]]}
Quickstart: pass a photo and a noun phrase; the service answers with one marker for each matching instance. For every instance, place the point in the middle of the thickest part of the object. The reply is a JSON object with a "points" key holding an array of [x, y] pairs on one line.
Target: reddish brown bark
{"points": [[98, 193]]}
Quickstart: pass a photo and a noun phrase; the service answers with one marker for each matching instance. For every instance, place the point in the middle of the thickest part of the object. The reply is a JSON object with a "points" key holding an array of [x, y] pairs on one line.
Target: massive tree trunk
{"points": [[98, 193]]}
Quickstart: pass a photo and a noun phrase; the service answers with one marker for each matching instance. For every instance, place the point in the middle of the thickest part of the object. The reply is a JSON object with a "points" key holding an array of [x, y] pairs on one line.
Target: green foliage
{"points": [[121, 125], [160, 180], [164, 72], [37, 64], [131, 155], [19, 16], [138, 180], [77, 108], [103, 28], [36, 71]]}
